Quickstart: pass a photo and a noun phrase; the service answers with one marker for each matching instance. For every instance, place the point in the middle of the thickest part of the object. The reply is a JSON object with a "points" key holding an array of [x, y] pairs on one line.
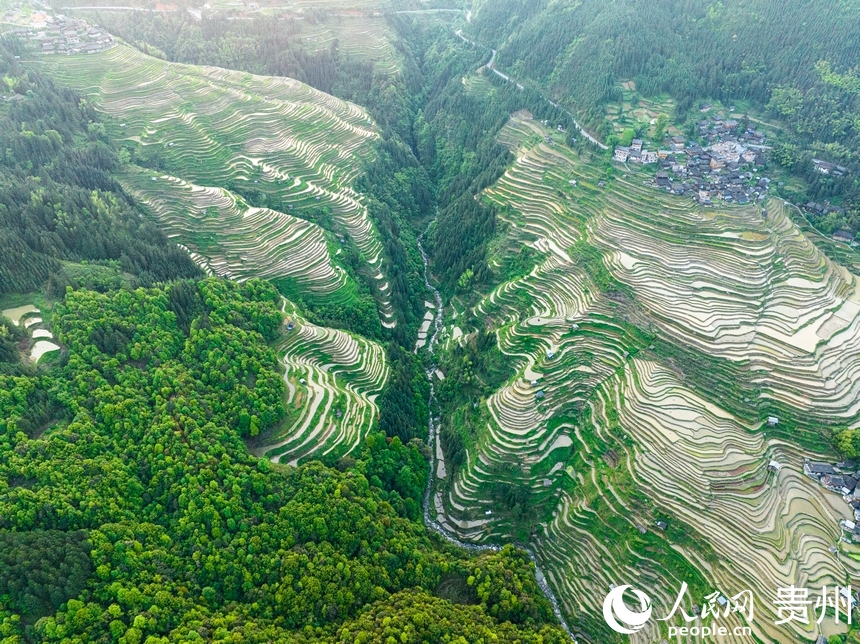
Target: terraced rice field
{"points": [[610, 429], [40, 348], [332, 380], [30, 317], [211, 129], [19, 312], [706, 474], [230, 239], [752, 291], [366, 38]]}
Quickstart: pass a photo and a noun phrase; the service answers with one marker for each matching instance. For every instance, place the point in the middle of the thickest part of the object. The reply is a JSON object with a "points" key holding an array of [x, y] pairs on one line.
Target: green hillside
{"points": [[64, 219], [131, 510]]}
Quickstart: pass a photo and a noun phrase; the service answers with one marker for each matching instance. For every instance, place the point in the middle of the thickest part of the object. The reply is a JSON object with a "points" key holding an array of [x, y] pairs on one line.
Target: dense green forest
{"points": [[58, 200], [737, 49], [138, 514]]}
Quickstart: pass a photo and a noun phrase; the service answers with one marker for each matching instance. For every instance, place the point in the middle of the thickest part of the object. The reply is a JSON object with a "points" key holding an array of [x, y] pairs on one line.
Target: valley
{"points": [[622, 382]]}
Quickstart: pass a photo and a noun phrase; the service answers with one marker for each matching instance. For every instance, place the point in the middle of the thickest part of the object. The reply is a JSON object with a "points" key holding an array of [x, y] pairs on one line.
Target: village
{"points": [[59, 34], [725, 170], [840, 478]]}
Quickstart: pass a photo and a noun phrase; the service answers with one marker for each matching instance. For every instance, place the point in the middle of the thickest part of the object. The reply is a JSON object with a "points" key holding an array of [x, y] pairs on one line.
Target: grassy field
{"points": [[651, 340], [245, 171]]}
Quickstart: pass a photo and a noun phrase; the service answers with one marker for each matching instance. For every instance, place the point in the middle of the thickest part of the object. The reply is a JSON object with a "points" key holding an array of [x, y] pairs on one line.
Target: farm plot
{"points": [[276, 141], [635, 111], [736, 286], [603, 431], [680, 458], [553, 323], [332, 380]]}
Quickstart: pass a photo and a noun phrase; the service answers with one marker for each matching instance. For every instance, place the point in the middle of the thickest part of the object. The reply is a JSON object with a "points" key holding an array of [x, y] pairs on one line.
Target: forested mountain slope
{"points": [[729, 49], [60, 203]]}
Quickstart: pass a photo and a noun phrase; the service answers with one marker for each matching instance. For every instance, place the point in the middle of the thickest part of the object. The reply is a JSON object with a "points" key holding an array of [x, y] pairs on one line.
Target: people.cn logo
{"points": [[620, 618]]}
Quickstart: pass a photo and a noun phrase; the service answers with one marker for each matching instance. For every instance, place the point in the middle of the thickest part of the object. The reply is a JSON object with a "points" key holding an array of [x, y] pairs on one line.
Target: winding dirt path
{"points": [[491, 65]]}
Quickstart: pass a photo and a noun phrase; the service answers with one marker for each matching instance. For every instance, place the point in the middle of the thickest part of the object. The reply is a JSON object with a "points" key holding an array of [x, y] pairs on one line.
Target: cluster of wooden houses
{"points": [[718, 128], [724, 170], [634, 153], [842, 479], [825, 167], [63, 35]]}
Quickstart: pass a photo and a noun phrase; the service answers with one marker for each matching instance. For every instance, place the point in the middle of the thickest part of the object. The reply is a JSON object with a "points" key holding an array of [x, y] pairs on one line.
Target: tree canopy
{"points": [[139, 515], [59, 200]]}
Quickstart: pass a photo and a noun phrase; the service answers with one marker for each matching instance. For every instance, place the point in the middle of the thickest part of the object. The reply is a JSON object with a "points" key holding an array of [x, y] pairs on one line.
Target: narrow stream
{"points": [[429, 521]]}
